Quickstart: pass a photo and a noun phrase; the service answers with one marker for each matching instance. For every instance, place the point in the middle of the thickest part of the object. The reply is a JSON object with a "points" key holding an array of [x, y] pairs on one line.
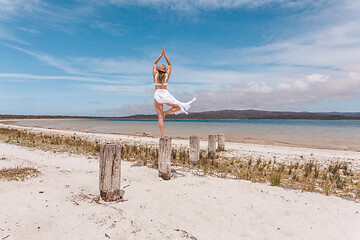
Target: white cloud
{"points": [[283, 86], [317, 77], [301, 85], [258, 87], [284, 97]]}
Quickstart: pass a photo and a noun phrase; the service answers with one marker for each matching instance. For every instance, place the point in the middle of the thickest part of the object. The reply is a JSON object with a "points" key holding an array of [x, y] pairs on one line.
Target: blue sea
{"points": [[331, 134]]}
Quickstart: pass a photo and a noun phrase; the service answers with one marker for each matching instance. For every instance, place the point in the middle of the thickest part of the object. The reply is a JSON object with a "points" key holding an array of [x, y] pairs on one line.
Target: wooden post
{"points": [[110, 172], [194, 152], [164, 160], [212, 146], [221, 142]]}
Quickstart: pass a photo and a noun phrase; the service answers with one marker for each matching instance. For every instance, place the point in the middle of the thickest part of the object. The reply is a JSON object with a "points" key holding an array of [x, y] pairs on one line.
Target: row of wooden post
{"points": [[165, 149], [110, 162]]}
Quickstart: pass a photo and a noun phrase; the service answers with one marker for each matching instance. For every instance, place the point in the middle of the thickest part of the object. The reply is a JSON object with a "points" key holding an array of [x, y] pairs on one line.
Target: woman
{"points": [[163, 96]]}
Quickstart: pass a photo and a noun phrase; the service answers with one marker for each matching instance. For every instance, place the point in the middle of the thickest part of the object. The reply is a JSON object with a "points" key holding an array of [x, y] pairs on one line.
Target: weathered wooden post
{"points": [[165, 158], [194, 152], [212, 146], [221, 142], [110, 172]]}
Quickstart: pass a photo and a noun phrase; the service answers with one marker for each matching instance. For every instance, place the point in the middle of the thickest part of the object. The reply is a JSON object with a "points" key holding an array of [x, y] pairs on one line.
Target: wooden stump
{"points": [[110, 172], [194, 152], [164, 160], [212, 146], [221, 142]]}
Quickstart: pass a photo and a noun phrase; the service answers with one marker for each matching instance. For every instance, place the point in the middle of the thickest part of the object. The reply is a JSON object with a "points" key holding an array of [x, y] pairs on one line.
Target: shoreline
{"points": [[243, 140], [285, 154]]}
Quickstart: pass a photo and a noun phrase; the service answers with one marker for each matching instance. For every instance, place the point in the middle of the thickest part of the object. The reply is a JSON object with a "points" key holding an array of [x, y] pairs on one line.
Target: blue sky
{"points": [[95, 57]]}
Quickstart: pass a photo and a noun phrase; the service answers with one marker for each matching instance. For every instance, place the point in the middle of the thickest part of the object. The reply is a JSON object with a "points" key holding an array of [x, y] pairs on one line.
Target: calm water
{"points": [[332, 134]]}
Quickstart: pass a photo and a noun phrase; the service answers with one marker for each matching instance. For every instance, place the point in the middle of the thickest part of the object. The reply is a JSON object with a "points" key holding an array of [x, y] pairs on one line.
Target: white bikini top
{"points": [[164, 83]]}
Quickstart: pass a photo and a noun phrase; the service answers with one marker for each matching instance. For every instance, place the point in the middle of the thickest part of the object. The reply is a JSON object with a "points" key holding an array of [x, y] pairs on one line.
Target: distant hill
{"points": [[256, 114], [222, 114], [5, 116]]}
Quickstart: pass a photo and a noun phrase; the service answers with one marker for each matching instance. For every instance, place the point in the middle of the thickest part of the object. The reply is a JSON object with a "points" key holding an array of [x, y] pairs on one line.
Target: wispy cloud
{"points": [[21, 76], [313, 49], [120, 65], [39, 14], [125, 88], [94, 69], [128, 109], [7, 34], [109, 27], [10, 12], [10, 8], [193, 5], [115, 75], [65, 18]]}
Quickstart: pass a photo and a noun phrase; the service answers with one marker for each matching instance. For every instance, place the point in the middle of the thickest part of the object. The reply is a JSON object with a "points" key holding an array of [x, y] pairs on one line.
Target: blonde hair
{"points": [[161, 77]]}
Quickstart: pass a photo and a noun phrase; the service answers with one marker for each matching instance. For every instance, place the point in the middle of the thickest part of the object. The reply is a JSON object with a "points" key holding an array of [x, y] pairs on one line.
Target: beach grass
{"points": [[18, 173], [55, 143], [334, 179]]}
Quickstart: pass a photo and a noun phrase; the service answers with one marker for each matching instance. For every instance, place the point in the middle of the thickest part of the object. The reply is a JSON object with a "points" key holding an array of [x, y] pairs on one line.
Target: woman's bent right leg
{"points": [[175, 108]]}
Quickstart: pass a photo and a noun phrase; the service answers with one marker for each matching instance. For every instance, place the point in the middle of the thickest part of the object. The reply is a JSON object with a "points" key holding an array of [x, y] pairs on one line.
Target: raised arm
{"points": [[156, 62], [168, 71]]}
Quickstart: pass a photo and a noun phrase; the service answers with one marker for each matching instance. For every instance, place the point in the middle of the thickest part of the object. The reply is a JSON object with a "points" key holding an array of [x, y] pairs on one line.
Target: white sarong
{"points": [[164, 96]]}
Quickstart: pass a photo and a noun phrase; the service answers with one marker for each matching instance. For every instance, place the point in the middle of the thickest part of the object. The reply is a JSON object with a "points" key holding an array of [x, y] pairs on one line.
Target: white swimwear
{"points": [[164, 96]]}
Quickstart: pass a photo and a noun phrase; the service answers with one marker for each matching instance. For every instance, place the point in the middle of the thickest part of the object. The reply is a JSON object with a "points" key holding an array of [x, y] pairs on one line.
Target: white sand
{"points": [[188, 207]]}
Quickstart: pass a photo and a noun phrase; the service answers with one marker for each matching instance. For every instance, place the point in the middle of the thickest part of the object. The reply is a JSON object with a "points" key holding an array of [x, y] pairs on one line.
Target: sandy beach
{"points": [[63, 201]]}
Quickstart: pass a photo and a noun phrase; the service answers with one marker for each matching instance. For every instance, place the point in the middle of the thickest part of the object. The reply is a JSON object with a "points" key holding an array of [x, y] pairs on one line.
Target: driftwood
{"points": [[221, 142], [194, 151], [212, 146], [164, 160], [110, 172]]}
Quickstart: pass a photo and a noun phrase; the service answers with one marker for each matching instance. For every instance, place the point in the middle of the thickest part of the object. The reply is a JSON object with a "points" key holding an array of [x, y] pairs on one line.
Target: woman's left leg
{"points": [[160, 113]]}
